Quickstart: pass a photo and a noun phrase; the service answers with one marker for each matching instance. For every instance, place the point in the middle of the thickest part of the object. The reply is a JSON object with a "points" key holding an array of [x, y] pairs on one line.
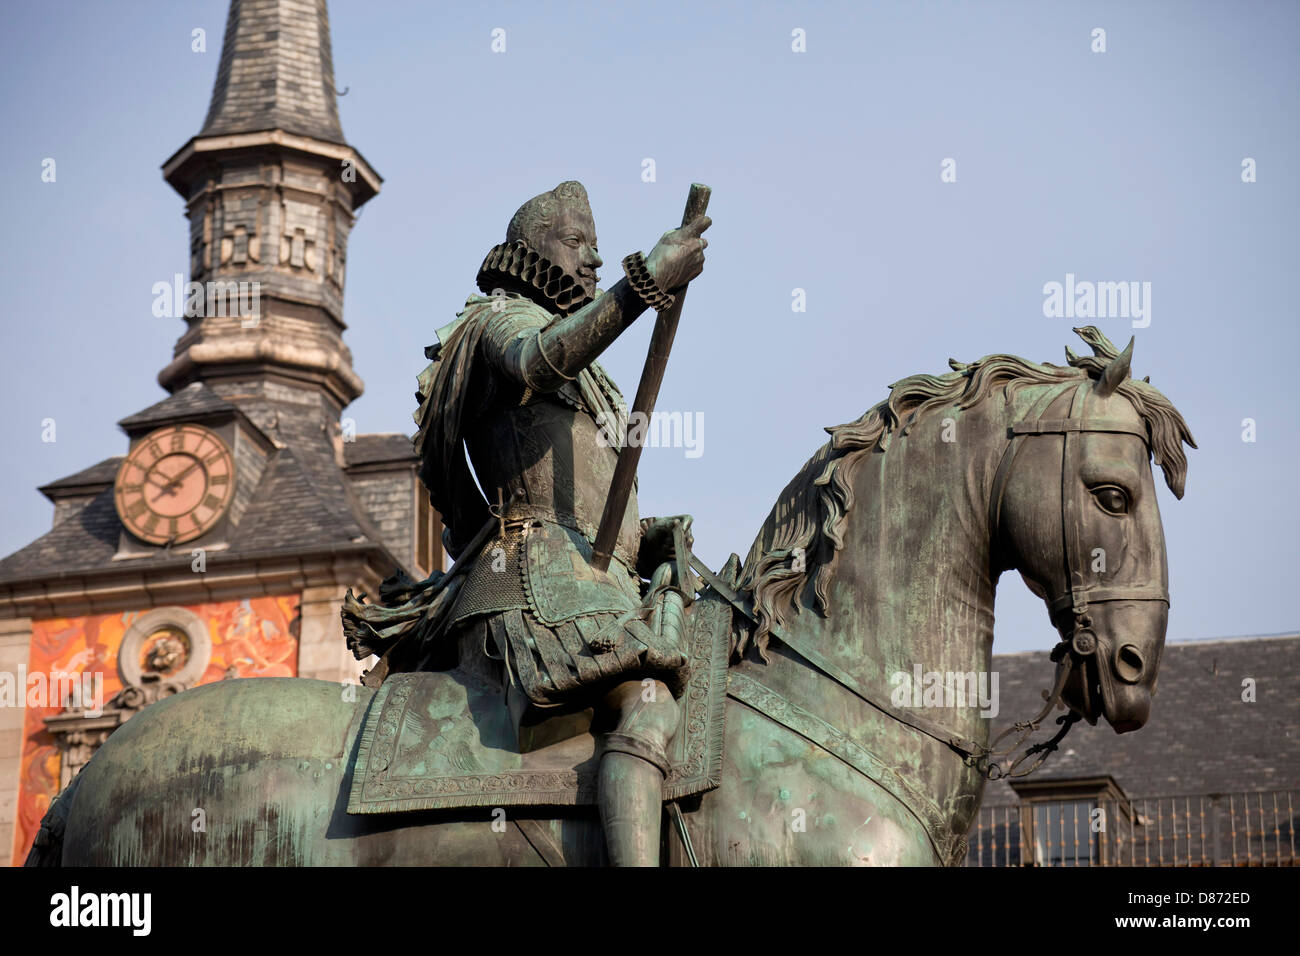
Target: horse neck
{"points": [[913, 584]]}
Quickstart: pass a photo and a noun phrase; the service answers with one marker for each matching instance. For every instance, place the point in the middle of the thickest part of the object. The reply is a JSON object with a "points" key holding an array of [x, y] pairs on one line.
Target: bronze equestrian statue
{"points": [[530, 708]]}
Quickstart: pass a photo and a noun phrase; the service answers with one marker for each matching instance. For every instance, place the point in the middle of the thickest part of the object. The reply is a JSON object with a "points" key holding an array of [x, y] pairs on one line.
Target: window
{"points": [[1063, 833], [1076, 822]]}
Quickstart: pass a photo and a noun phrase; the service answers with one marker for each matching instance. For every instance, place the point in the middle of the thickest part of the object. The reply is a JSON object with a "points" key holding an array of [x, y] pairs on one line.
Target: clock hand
{"points": [[177, 479], [171, 486], [166, 490]]}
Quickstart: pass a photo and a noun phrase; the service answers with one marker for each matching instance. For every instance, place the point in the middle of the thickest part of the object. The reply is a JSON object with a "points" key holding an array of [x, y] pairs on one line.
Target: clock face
{"points": [[175, 484]]}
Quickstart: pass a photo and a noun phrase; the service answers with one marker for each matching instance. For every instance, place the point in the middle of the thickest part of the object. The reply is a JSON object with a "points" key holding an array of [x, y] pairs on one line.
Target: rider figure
{"points": [[516, 379]]}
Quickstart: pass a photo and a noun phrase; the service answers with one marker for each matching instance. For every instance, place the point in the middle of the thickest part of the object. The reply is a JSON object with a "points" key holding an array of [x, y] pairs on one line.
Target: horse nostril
{"points": [[1128, 664]]}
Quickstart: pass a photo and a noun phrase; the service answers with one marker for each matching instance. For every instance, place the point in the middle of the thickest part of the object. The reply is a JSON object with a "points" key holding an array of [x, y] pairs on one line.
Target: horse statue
{"points": [[880, 558]]}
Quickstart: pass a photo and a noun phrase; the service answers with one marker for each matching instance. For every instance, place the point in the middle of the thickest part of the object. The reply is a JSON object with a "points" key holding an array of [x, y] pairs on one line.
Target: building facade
{"points": [[221, 542]]}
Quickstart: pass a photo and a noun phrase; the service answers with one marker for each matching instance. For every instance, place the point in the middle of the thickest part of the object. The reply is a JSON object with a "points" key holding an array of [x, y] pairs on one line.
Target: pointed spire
{"points": [[271, 191], [276, 72]]}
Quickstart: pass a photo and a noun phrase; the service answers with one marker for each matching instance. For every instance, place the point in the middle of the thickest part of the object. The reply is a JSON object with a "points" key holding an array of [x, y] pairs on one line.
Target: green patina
{"points": [[901, 567]]}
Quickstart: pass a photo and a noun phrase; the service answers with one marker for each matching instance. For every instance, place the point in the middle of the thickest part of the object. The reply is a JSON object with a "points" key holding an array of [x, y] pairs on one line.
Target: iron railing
{"points": [[1226, 829]]}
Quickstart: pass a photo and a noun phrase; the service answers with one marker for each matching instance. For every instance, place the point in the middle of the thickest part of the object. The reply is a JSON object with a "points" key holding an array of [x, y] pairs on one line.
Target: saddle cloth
{"points": [[439, 740]]}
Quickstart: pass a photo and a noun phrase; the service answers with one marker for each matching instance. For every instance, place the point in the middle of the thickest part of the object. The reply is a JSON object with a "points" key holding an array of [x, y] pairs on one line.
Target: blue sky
{"points": [[1115, 166]]}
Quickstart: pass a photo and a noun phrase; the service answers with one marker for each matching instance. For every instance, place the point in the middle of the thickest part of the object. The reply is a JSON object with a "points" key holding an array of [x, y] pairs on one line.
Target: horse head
{"points": [[1074, 510], [1001, 464]]}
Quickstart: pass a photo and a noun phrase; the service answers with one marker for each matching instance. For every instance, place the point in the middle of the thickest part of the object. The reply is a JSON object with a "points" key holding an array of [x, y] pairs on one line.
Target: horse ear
{"points": [[1115, 372]]}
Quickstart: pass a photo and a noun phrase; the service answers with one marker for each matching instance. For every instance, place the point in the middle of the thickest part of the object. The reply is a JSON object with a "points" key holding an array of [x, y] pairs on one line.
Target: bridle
{"points": [[1082, 643]]}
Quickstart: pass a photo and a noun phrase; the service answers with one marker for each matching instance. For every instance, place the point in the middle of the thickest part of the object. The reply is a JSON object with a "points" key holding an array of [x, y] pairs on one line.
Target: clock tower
{"points": [[244, 506]]}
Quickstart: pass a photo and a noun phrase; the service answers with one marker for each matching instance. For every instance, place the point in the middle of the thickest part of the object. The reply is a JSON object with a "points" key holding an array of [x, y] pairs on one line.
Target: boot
{"points": [[631, 805], [632, 768]]}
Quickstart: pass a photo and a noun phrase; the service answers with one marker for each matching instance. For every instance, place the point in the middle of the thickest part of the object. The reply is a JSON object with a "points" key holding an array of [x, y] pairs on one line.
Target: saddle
{"points": [[441, 740]]}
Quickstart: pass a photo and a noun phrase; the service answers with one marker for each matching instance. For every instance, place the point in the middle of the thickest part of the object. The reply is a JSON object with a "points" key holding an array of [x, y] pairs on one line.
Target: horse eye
{"points": [[1111, 499]]}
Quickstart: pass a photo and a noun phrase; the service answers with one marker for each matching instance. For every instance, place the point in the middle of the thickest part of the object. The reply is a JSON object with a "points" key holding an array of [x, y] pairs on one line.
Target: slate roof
{"points": [[87, 539], [101, 474], [194, 401], [303, 502], [288, 511], [1201, 737], [304, 498], [276, 71], [374, 449]]}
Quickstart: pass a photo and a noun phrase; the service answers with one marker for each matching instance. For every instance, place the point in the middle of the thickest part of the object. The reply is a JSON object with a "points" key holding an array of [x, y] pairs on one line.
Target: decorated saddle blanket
{"points": [[437, 740]]}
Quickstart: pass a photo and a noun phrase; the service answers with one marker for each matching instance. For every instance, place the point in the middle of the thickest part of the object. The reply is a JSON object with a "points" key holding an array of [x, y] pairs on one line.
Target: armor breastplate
{"points": [[548, 456]]}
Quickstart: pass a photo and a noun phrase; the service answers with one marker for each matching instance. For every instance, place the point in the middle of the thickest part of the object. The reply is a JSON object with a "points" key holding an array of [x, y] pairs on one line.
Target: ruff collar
{"points": [[517, 267]]}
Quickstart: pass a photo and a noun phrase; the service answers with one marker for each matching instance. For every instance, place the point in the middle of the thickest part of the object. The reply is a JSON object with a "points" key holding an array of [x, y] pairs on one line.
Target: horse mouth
{"points": [[1125, 706]]}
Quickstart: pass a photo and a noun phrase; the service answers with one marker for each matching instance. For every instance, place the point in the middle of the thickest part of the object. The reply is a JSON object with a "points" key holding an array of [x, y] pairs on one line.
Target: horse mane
{"points": [[804, 531]]}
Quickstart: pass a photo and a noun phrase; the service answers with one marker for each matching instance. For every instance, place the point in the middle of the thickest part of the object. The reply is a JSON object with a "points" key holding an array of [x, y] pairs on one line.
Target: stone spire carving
{"points": [[271, 189]]}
